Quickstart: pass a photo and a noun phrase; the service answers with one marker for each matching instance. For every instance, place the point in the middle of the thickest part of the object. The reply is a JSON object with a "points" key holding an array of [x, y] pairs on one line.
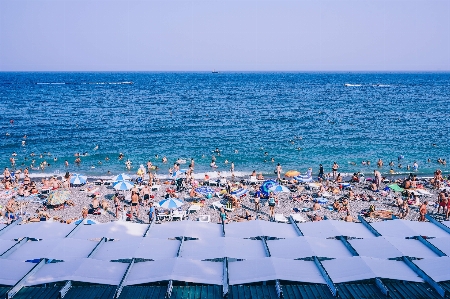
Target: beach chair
{"points": [[217, 205], [204, 218], [252, 181], [178, 215], [298, 218], [280, 218], [156, 187], [223, 182], [194, 208]]}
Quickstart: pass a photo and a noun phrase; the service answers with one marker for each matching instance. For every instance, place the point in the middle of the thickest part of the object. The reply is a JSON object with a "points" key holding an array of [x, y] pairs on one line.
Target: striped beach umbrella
{"points": [[78, 179], [266, 186], [122, 177], [170, 203], [239, 192], [123, 185], [204, 190]]}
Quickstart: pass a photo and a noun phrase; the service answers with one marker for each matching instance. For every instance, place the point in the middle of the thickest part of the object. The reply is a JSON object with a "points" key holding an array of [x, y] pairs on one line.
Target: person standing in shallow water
{"points": [[334, 169], [320, 172], [278, 170]]}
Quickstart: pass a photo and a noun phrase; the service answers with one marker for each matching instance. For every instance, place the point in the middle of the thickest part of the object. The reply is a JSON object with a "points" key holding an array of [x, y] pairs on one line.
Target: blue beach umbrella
{"points": [[170, 203], [123, 185], [78, 179], [204, 190], [239, 192], [279, 189], [122, 177], [178, 173], [266, 186]]}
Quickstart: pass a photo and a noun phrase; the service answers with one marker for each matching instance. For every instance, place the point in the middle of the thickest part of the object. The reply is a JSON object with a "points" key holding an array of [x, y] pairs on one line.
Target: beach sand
{"points": [[286, 206]]}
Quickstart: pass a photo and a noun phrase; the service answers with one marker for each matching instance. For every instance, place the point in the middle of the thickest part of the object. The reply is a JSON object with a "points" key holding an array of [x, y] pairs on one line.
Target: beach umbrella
{"points": [[204, 190], [122, 177], [57, 197], [291, 173], [396, 187], [123, 185], [88, 221], [266, 185], [176, 174], [78, 179], [170, 203], [239, 192], [279, 189]]}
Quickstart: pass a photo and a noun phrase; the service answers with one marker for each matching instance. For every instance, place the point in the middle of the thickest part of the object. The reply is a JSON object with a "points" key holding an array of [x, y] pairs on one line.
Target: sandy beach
{"points": [[82, 196]]}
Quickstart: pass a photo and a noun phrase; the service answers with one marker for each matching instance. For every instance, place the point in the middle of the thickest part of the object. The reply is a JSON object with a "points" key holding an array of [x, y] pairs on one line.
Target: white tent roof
{"points": [[291, 248], [256, 228], [322, 229], [194, 229], [328, 247], [425, 228], [83, 270], [411, 247], [351, 229], [393, 228], [38, 230], [270, 268], [13, 271], [5, 245], [348, 269], [437, 268], [391, 269], [61, 249], [442, 243], [176, 269], [223, 247], [375, 247], [140, 247], [113, 230]]}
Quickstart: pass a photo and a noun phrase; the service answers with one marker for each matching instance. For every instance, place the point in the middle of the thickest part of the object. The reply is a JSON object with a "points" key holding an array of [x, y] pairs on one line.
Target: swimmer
{"points": [[14, 154], [23, 142], [266, 153], [7, 134], [299, 148], [106, 158], [25, 136], [272, 160], [236, 151], [120, 156], [55, 159], [164, 159], [96, 147], [66, 163], [226, 161]]}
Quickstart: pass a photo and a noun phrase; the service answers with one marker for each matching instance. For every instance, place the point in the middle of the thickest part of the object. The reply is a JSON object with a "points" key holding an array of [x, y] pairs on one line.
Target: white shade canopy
{"points": [[13, 271], [437, 268], [255, 228], [348, 269], [193, 229], [375, 247], [391, 269], [112, 230], [38, 230]]}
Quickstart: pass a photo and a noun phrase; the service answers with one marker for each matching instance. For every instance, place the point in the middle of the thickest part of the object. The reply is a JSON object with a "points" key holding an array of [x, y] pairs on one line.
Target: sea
{"points": [[255, 120]]}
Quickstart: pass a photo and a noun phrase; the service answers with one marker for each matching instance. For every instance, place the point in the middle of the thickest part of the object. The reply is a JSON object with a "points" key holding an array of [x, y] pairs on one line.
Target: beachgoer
{"points": [[320, 172], [423, 211], [135, 203], [272, 199], [151, 213], [223, 218], [380, 163], [278, 171], [348, 218]]}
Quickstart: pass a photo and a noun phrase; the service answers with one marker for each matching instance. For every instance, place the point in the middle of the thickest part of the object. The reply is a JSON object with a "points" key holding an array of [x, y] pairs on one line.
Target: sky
{"points": [[226, 35]]}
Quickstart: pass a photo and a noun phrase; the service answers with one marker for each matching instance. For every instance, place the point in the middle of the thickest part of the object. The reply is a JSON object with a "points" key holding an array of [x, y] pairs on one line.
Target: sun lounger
{"points": [[280, 218], [156, 187], [298, 218], [178, 215], [204, 218], [194, 208], [217, 205]]}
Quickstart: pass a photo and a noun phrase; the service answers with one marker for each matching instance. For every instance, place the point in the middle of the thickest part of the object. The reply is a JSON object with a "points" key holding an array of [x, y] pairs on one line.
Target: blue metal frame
{"points": [[368, 226]]}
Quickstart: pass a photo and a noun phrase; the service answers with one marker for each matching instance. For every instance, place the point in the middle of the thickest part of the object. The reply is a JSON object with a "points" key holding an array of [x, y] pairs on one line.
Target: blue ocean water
{"points": [[299, 119]]}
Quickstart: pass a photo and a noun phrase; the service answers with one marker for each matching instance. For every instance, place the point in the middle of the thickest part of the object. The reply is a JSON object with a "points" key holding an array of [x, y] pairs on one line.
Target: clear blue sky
{"points": [[227, 35]]}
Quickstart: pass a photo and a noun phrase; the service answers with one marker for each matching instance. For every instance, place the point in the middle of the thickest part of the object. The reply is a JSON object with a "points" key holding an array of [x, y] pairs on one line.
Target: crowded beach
{"points": [[286, 196]]}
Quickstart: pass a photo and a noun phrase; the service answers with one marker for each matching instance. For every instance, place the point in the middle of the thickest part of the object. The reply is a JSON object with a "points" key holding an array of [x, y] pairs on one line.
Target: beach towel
{"points": [[396, 188]]}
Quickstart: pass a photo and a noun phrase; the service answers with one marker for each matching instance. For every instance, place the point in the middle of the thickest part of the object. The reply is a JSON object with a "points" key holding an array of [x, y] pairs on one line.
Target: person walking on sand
{"points": [[272, 200], [151, 213], [377, 175], [135, 203], [278, 171]]}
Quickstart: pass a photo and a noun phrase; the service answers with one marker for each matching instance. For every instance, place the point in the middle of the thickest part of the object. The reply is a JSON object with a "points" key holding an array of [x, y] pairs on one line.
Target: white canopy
{"points": [[425, 228], [83, 270], [437, 268], [391, 269], [411, 247], [442, 243], [328, 247], [270, 268], [375, 247], [176, 269], [13, 271], [223, 247], [148, 248], [394, 228], [61, 249], [112, 230], [322, 229], [5, 245], [254, 228], [194, 229], [348, 269], [290, 248], [351, 229], [38, 230]]}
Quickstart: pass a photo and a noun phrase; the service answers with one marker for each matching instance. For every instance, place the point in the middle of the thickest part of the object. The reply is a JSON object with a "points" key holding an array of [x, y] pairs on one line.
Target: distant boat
{"points": [[215, 72]]}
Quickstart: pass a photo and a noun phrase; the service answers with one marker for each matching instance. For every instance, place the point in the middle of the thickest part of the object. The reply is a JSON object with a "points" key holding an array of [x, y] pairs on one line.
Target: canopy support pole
{"points": [[124, 279], [20, 284], [65, 289], [326, 276], [13, 248], [149, 227], [348, 245], [277, 281], [368, 226], [225, 277], [97, 247], [294, 224], [74, 230], [437, 223], [407, 260], [379, 283]]}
